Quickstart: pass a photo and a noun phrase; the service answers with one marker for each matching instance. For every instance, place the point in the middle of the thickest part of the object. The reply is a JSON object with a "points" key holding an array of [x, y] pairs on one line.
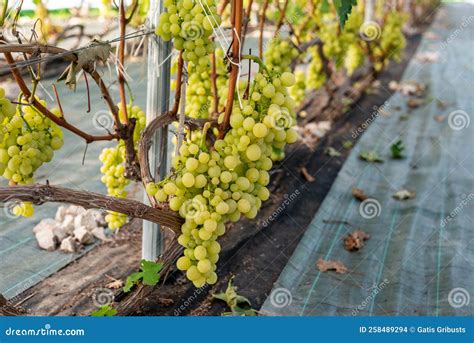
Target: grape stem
{"points": [[257, 60], [246, 21], [282, 17], [179, 80]]}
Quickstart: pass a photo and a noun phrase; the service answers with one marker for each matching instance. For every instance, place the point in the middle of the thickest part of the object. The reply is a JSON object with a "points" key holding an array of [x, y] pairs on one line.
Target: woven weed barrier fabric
{"points": [[419, 259]]}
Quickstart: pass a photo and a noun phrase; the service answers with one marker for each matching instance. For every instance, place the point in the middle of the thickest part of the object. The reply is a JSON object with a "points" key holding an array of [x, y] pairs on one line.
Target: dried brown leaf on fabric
{"points": [[409, 87], [427, 57], [330, 265], [414, 102], [404, 194], [439, 118], [355, 240], [431, 35], [307, 175], [441, 104], [359, 194]]}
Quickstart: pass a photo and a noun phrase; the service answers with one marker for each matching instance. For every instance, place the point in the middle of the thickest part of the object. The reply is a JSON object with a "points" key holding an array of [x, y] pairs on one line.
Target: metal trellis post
{"points": [[158, 94]]}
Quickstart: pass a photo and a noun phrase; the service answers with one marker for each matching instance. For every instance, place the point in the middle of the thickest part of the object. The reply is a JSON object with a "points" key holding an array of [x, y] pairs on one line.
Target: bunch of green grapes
{"points": [[113, 168], [392, 40], [354, 58], [28, 140], [279, 53], [298, 90], [199, 97], [113, 165], [190, 23], [197, 93], [316, 75], [211, 187]]}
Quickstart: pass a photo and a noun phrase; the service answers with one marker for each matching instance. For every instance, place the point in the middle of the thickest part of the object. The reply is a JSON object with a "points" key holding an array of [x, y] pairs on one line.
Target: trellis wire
{"points": [[34, 61]]}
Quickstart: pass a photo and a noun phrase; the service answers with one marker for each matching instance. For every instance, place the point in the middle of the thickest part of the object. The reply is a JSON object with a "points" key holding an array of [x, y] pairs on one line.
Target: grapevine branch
{"points": [[262, 24], [147, 138], [121, 66], [282, 16], [235, 65], [39, 194], [59, 121], [247, 20], [215, 95]]}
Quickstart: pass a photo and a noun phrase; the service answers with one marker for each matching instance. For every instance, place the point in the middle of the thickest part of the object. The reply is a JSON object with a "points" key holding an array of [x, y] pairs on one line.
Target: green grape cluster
{"points": [[279, 53], [113, 165], [354, 58], [28, 140], [190, 24], [392, 40], [197, 93], [211, 187], [199, 97], [316, 75], [298, 90]]}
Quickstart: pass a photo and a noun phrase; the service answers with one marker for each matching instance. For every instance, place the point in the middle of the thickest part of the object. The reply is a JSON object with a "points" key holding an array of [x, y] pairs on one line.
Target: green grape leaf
{"points": [[131, 281], [104, 311], [343, 9], [149, 274], [397, 149]]}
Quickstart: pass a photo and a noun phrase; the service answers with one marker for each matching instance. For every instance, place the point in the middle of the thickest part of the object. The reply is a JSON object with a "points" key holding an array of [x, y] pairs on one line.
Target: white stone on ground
{"points": [[45, 224], [68, 245], [83, 235], [68, 224], [46, 239]]}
